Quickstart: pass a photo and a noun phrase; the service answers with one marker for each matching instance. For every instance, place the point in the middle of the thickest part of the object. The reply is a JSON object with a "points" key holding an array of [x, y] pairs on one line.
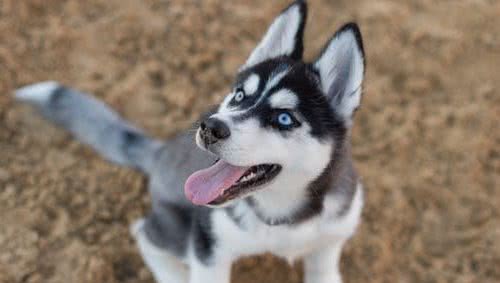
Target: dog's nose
{"points": [[213, 130]]}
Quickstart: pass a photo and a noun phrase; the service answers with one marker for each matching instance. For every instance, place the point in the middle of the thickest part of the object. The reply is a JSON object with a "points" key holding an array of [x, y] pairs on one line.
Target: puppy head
{"points": [[283, 117]]}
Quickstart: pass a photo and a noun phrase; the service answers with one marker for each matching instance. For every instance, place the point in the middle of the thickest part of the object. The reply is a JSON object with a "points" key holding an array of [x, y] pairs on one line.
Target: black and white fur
{"points": [[309, 210]]}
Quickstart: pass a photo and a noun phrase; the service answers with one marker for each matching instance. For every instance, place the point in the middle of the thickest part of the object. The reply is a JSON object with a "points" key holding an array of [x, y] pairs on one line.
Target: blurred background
{"points": [[426, 139]]}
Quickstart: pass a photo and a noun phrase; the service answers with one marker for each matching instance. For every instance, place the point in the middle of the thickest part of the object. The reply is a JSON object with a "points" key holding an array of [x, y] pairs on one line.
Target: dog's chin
{"points": [[256, 178]]}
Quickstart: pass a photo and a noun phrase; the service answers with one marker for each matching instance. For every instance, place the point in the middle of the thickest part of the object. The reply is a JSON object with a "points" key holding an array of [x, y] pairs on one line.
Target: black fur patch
{"points": [[58, 100], [58, 93], [168, 227], [203, 237]]}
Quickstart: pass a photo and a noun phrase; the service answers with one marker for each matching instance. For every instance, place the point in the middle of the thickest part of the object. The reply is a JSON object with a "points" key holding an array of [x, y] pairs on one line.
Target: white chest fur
{"points": [[248, 235]]}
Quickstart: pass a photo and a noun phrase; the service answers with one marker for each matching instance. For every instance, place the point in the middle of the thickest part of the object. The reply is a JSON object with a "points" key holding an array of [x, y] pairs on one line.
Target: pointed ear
{"points": [[341, 67], [284, 37]]}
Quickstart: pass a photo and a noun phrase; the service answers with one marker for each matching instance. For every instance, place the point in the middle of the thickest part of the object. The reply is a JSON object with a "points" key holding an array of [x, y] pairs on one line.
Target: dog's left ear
{"points": [[284, 37], [341, 67]]}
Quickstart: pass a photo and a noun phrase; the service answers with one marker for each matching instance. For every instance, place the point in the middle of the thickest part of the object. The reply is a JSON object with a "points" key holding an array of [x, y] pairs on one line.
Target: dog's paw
{"points": [[38, 93]]}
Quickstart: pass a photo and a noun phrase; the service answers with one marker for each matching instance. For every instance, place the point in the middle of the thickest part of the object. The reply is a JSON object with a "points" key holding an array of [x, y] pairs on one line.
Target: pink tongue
{"points": [[206, 185]]}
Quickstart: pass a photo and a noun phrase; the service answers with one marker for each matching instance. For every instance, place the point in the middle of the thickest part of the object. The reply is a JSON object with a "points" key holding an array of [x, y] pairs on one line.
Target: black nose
{"points": [[213, 130]]}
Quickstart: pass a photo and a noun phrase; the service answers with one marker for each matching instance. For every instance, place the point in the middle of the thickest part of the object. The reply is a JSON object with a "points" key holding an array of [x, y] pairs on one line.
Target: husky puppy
{"points": [[269, 170]]}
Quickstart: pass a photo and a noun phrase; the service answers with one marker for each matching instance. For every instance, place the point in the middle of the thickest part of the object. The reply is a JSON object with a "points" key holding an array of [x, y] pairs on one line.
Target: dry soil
{"points": [[426, 139]]}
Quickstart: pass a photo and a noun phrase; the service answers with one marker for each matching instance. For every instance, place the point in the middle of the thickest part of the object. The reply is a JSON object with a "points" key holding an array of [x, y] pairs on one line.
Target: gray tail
{"points": [[93, 123]]}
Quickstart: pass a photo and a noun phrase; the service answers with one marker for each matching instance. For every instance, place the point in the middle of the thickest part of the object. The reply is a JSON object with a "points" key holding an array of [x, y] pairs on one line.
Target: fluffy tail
{"points": [[93, 123]]}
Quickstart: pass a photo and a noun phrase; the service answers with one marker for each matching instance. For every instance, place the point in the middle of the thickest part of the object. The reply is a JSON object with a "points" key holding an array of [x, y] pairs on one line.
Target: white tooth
{"points": [[247, 177]]}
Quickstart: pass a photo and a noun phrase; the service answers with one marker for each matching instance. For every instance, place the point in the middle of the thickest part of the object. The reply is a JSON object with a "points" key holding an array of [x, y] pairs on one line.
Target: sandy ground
{"points": [[426, 140]]}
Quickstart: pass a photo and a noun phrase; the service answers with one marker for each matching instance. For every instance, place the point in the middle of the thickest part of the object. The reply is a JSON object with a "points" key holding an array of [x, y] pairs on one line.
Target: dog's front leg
{"points": [[322, 266], [218, 272]]}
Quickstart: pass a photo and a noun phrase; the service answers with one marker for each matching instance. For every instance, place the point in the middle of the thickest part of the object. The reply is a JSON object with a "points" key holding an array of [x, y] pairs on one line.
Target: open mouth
{"points": [[223, 182]]}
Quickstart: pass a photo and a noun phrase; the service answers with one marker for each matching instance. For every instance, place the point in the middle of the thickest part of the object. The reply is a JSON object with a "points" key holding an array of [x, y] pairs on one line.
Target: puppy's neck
{"points": [[295, 197], [279, 203]]}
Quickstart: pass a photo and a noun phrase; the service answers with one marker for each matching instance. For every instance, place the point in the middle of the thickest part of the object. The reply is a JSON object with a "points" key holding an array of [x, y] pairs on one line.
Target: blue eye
{"points": [[240, 95], [285, 119]]}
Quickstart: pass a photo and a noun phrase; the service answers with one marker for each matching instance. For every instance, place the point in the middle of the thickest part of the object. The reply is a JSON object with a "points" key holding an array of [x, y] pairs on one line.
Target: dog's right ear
{"points": [[284, 37]]}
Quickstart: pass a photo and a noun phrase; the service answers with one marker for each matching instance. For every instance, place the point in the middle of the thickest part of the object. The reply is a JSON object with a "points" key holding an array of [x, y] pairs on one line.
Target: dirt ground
{"points": [[426, 140]]}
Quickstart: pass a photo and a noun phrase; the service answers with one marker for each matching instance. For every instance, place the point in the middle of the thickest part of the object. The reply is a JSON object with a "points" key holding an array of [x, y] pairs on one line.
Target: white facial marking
{"points": [[274, 81], [226, 110], [284, 99], [251, 85]]}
